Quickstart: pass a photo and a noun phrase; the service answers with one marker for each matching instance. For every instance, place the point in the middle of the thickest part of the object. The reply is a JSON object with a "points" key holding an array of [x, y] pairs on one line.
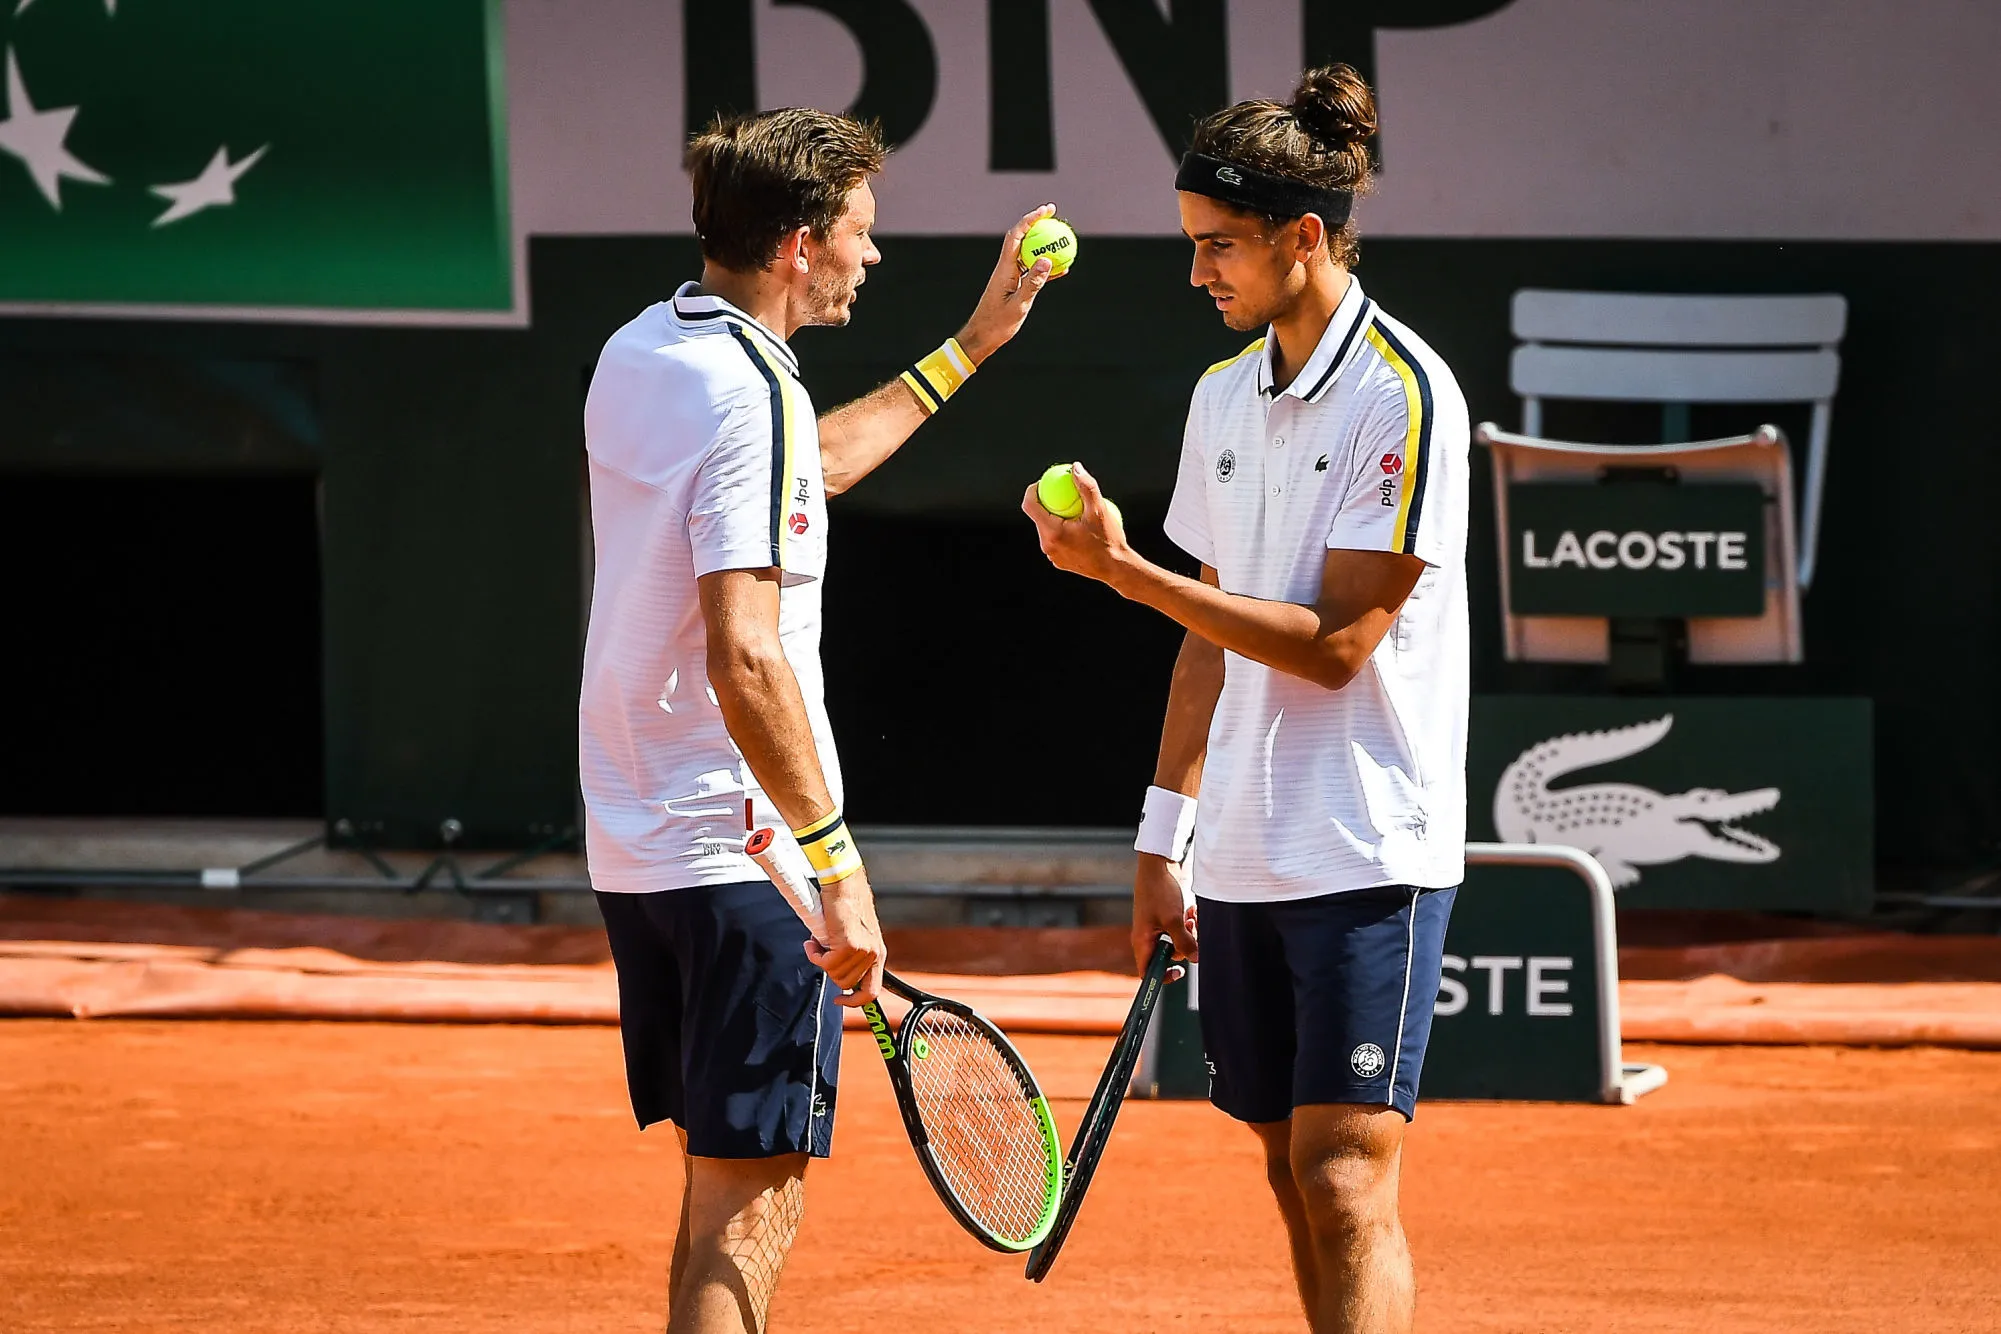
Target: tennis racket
{"points": [[1095, 1130], [970, 1104]]}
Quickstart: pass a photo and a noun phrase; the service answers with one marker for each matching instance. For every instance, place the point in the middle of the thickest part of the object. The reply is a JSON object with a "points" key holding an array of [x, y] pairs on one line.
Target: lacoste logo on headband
{"points": [[1230, 175]]}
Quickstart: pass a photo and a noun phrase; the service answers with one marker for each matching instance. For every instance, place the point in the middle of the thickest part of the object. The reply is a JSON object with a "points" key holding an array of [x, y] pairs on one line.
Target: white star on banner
{"points": [[110, 7], [215, 186], [36, 137]]}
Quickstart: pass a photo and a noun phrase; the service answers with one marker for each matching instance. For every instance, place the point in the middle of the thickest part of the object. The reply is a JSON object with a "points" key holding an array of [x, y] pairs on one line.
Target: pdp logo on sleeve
{"points": [[1368, 1060]]}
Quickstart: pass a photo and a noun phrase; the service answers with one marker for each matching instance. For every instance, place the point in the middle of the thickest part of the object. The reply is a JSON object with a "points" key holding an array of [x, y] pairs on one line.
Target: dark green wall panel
{"points": [[452, 588], [451, 468]]}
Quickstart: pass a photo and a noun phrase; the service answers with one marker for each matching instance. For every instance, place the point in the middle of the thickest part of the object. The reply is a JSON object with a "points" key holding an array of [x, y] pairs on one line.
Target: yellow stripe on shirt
{"points": [[1413, 398], [781, 481], [1228, 362]]}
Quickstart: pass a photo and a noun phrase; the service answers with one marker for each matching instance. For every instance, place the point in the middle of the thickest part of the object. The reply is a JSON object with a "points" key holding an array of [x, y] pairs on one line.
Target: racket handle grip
{"points": [[764, 847]]}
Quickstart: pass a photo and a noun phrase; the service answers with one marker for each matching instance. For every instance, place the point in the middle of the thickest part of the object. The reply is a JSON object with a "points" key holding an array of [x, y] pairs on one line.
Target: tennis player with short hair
{"points": [[1318, 706], [701, 709]]}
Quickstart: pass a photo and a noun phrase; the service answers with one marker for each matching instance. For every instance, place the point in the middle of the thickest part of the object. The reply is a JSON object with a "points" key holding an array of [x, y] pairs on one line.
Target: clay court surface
{"points": [[361, 1177]]}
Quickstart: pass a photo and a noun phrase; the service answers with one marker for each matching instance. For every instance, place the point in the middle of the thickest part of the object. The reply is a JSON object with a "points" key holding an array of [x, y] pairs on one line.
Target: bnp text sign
{"points": [[1636, 549]]}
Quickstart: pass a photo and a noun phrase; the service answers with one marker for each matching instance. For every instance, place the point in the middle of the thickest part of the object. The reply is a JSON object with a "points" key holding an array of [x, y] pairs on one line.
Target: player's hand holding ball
{"points": [[1081, 532], [1024, 267]]}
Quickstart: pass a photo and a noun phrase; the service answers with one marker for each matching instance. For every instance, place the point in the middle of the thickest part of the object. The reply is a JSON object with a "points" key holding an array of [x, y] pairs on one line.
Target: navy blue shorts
{"points": [[730, 1033], [1319, 1000]]}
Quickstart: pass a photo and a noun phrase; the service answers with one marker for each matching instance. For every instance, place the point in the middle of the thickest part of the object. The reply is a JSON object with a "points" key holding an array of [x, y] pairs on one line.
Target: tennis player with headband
{"points": [[701, 710], [1318, 705]]}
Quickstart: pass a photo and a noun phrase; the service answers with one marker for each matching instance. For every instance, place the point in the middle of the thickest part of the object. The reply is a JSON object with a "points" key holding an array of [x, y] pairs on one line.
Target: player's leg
{"points": [[1365, 969], [1345, 1161], [740, 1218], [679, 1265], [1247, 1034], [733, 1035], [1276, 1139], [649, 1027]]}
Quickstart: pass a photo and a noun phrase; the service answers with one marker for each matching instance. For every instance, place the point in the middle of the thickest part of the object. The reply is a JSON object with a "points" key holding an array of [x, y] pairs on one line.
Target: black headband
{"points": [[1261, 191]]}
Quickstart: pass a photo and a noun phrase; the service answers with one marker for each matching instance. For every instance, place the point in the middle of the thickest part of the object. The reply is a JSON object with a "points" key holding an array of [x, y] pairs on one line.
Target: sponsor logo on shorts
{"points": [[1391, 464], [1367, 1061], [819, 1103], [799, 524], [1226, 465], [1389, 491]]}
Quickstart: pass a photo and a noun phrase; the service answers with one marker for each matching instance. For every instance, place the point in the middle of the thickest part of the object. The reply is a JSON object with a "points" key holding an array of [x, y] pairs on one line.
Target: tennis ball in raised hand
{"points": [[1053, 240], [1056, 491]]}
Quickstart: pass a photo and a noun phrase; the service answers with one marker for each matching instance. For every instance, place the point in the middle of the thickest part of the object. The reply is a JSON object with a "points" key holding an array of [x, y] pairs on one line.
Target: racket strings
{"points": [[986, 1137]]}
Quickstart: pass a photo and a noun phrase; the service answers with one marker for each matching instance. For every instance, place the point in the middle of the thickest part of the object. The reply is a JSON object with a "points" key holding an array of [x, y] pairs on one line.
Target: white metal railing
{"points": [[1618, 1081]]}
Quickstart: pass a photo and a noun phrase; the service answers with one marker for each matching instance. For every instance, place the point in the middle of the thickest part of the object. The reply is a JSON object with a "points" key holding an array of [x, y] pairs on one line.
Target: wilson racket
{"points": [[1095, 1130], [970, 1104]]}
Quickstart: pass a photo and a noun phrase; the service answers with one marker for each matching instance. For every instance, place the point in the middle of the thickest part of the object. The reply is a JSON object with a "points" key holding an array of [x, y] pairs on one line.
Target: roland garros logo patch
{"points": [[1226, 465], [1368, 1060]]}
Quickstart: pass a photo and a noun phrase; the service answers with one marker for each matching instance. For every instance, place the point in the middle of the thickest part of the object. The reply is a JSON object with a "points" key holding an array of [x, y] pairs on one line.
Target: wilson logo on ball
{"points": [[1392, 464]]}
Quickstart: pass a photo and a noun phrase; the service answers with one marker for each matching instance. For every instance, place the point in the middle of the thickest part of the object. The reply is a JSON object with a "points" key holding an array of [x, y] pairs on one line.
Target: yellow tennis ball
{"points": [[1057, 492], [1050, 239]]}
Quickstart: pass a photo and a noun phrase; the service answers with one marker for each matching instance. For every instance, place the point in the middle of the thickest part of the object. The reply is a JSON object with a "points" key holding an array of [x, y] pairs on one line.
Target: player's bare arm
{"points": [[766, 716], [1326, 643], [1159, 903], [857, 438]]}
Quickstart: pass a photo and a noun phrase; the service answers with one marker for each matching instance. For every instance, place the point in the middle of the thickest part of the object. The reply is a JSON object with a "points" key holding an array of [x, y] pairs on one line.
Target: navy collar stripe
{"points": [[1314, 394], [1363, 309], [698, 308]]}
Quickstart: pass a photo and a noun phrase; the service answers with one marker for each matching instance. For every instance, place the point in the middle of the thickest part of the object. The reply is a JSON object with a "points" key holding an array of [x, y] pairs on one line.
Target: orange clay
{"points": [[289, 1177]]}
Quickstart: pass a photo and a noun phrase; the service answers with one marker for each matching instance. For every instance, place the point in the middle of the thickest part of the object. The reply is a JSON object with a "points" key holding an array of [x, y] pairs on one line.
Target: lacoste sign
{"points": [[1636, 549], [1639, 550]]}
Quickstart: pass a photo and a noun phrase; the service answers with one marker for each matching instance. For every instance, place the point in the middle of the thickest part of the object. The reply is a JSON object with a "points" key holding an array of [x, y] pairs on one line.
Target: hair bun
{"points": [[1334, 106]]}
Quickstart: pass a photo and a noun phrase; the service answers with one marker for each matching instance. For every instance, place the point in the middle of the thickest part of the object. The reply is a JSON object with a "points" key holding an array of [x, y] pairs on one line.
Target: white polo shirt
{"points": [[704, 456], [1305, 790]]}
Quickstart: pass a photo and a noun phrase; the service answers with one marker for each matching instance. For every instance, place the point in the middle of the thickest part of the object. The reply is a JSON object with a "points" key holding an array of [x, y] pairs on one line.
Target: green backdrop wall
{"points": [[450, 464]]}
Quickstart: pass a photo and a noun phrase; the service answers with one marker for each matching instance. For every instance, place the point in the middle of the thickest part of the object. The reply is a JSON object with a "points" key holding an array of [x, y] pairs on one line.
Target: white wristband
{"points": [[1166, 824]]}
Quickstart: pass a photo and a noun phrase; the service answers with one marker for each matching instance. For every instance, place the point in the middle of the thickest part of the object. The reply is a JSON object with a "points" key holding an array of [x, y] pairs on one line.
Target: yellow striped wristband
{"points": [[938, 376], [830, 847]]}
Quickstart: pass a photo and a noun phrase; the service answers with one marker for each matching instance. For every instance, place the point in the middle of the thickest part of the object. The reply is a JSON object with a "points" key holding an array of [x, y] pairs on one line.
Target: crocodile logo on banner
{"points": [[1625, 826]]}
